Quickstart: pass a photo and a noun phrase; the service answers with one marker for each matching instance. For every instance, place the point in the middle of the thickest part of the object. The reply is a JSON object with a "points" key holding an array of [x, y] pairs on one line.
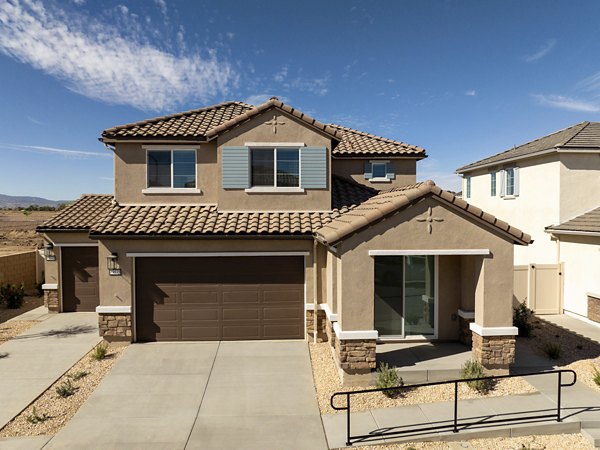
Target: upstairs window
{"points": [[493, 184], [275, 167], [510, 181], [468, 187], [379, 171], [172, 169]]}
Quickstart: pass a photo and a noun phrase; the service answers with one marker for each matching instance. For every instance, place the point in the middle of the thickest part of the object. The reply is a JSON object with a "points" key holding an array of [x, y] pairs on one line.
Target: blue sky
{"points": [[463, 79]]}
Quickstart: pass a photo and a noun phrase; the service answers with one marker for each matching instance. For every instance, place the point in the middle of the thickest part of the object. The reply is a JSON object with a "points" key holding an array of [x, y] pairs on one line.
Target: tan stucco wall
{"points": [[494, 293], [579, 178], [405, 169], [256, 130], [18, 268], [117, 290], [332, 277], [130, 177]]}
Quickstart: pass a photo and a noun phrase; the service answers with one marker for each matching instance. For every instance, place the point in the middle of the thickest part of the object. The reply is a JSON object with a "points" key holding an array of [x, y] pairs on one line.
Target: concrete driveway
{"points": [[227, 395]]}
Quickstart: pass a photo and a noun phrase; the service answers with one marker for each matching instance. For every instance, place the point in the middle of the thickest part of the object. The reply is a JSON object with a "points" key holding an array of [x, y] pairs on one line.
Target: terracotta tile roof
{"points": [[209, 220], [581, 135], [359, 143], [81, 215], [191, 125], [588, 222], [205, 124], [392, 200]]}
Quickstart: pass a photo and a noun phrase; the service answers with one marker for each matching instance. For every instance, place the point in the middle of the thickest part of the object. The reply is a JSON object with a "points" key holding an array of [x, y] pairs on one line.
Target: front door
{"points": [[405, 296]]}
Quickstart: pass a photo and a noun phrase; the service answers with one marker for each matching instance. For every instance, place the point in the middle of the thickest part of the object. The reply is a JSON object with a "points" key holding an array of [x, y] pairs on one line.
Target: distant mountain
{"points": [[10, 201]]}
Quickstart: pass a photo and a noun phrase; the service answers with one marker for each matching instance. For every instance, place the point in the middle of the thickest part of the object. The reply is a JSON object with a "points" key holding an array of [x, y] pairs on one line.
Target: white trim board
{"points": [[170, 147], [274, 144], [212, 254], [576, 233], [113, 309], [354, 334], [86, 244], [466, 314], [440, 252], [493, 331], [49, 287]]}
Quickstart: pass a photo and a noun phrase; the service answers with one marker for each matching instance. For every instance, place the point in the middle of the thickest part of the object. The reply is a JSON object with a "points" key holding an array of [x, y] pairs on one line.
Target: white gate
{"points": [[541, 285]]}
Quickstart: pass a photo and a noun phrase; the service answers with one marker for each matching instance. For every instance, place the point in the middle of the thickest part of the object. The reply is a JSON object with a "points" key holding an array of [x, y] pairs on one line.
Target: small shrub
{"points": [[387, 377], [66, 389], [596, 376], [474, 369], [12, 295], [552, 350], [78, 375], [522, 320], [34, 417], [100, 351]]}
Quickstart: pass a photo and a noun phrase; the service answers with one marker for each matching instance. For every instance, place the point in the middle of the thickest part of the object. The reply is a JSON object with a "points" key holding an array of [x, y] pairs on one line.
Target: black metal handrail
{"points": [[455, 424]]}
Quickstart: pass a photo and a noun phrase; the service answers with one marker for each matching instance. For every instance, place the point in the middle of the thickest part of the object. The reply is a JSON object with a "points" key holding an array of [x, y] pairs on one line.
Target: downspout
{"points": [[316, 305]]}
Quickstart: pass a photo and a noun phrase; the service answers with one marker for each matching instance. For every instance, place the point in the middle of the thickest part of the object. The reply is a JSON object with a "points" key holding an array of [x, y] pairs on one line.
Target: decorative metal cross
{"points": [[274, 123], [429, 219]]}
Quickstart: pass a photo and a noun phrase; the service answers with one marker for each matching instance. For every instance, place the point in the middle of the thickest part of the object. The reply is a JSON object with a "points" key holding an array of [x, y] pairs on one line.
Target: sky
{"points": [[463, 79]]}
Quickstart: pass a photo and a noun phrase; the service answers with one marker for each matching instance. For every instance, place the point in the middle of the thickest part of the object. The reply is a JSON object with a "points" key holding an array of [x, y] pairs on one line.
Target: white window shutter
{"points": [[516, 181], [502, 176]]}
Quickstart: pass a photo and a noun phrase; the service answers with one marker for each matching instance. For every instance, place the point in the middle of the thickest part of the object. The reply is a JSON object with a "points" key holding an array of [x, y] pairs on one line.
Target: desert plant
{"points": [[387, 377], [522, 319], [66, 389], [100, 351], [78, 375], [552, 350], [596, 376], [34, 417], [474, 369], [12, 295]]}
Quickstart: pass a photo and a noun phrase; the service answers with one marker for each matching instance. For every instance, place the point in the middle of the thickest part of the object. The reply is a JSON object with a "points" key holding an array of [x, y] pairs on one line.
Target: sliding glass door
{"points": [[405, 296]]}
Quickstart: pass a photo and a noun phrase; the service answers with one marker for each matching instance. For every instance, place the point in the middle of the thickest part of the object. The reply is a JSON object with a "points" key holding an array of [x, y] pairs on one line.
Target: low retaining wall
{"points": [[19, 268]]}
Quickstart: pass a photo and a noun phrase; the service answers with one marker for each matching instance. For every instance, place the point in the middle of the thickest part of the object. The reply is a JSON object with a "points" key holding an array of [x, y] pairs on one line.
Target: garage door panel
{"points": [[241, 314], [222, 298]]}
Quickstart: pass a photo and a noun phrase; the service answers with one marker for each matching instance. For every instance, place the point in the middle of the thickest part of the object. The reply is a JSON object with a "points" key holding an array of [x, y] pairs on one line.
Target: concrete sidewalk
{"points": [[580, 409], [588, 330], [35, 359]]}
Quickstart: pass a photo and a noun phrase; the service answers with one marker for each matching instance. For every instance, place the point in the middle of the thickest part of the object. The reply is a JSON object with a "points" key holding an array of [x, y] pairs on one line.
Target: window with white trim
{"points": [[467, 187], [171, 169], [493, 184], [275, 167], [510, 181]]}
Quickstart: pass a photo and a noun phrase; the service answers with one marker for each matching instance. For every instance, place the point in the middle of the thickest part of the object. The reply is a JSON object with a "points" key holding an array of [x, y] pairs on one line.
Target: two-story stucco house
{"points": [[541, 186], [236, 222]]}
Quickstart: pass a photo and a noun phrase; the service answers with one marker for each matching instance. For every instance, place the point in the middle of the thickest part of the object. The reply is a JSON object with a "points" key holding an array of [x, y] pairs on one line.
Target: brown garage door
{"points": [[220, 298], [80, 278]]}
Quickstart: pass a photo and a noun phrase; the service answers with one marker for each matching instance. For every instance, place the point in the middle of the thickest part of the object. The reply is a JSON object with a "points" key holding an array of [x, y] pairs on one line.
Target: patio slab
{"points": [[581, 327]]}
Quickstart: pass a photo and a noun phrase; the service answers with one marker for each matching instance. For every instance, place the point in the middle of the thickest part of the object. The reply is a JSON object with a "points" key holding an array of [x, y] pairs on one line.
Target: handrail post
{"points": [[558, 419], [348, 443], [456, 406]]}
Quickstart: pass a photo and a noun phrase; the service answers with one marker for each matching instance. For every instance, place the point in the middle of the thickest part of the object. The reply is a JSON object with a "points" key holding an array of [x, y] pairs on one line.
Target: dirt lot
{"points": [[17, 230]]}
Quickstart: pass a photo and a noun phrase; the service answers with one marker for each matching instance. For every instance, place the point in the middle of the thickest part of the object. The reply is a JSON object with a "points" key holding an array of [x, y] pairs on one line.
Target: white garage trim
{"points": [[113, 309], [476, 251], [213, 254]]}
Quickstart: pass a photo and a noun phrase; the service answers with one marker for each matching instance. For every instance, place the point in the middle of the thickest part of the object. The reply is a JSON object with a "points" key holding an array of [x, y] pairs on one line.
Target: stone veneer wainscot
{"points": [[594, 307]]}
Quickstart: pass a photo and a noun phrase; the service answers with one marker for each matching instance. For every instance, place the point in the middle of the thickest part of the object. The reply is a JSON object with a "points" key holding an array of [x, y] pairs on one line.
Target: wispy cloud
{"points": [[317, 86], [543, 51], [34, 120], [257, 99], [281, 74], [568, 103], [98, 60], [80, 154], [471, 93]]}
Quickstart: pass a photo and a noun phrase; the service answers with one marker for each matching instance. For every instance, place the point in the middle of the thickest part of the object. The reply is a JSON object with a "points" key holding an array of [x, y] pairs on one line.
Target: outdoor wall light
{"points": [[112, 264], [49, 252]]}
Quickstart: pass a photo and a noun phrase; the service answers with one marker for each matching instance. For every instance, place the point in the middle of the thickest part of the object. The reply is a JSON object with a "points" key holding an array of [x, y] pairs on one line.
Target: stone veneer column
{"points": [[494, 352], [310, 325], [51, 300], [593, 307], [356, 355], [115, 326]]}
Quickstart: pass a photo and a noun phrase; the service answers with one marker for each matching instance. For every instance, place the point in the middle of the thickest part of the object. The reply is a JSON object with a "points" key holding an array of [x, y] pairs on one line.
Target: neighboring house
{"points": [[237, 222], [548, 181]]}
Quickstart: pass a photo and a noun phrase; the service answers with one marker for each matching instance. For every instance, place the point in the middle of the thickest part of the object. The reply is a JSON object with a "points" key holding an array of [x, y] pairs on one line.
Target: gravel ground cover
{"points": [[9, 330], [327, 382], [543, 442], [59, 410], [577, 353], [29, 303]]}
